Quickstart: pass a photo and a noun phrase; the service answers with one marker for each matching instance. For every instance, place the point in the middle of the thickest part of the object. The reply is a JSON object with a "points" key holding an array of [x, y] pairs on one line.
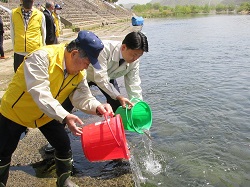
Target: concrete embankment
{"points": [[29, 162]]}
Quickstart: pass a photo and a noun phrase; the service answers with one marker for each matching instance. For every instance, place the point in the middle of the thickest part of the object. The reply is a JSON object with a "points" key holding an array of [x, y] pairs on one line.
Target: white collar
{"points": [[49, 11]]}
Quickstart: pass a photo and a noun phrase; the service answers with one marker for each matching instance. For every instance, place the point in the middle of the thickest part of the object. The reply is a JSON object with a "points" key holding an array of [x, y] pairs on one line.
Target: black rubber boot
{"points": [[63, 171], [4, 174]]}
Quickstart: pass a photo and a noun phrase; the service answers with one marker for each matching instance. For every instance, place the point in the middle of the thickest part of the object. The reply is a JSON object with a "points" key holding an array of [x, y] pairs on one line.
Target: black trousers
{"points": [[10, 133], [18, 59], [1, 45], [114, 103], [54, 132]]}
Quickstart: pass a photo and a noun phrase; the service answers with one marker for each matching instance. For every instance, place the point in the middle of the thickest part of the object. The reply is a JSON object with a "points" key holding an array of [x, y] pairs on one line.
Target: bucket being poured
{"points": [[105, 140], [138, 118]]}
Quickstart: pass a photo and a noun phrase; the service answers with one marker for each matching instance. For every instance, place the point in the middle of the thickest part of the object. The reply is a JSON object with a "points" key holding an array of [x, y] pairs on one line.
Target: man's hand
{"points": [[71, 120], [125, 102], [104, 108]]}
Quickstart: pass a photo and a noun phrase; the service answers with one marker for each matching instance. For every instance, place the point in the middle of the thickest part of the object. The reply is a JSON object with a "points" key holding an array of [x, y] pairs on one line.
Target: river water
{"points": [[196, 78]]}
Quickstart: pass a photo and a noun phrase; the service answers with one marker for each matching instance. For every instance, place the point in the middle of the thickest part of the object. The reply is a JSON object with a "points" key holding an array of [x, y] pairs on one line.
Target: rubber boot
{"points": [[4, 174], [63, 171]]}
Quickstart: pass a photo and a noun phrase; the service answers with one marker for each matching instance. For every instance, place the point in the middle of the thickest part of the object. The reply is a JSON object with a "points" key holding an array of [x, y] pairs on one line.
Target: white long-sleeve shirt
{"points": [[37, 81], [110, 69]]}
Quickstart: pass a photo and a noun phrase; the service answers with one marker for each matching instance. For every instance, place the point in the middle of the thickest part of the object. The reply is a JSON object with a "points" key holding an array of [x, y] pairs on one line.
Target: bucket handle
{"points": [[106, 118]]}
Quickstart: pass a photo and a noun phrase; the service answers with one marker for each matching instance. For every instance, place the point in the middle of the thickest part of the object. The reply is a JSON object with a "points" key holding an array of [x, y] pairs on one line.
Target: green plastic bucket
{"points": [[138, 118]]}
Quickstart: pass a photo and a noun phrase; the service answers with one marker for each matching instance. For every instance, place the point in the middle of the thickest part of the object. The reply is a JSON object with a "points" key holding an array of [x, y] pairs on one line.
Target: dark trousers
{"points": [[114, 103], [10, 133], [54, 132], [1, 45], [18, 59]]}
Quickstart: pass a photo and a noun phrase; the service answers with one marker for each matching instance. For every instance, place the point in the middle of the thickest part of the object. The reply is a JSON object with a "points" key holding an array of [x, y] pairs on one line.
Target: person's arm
{"points": [[38, 85], [43, 29], [82, 98], [60, 26], [1, 25], [101, 77], [133, 82]]}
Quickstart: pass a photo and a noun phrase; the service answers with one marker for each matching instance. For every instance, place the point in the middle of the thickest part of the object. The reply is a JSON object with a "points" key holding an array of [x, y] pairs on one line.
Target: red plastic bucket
{"points": [[105, 140]]}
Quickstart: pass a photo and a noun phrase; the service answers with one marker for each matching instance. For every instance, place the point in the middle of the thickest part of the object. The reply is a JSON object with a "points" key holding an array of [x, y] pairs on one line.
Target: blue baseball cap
{"points": [[58, 7], [92, 45]]}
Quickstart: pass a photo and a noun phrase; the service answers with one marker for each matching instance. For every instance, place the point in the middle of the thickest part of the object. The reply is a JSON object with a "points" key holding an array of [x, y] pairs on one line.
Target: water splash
{"points": [[151, 164], [137, 174], [146, 132], [143, 160]]}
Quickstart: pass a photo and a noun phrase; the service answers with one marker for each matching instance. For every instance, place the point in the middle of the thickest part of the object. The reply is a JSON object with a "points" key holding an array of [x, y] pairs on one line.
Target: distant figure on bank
{"points": [[57, 20], [1, 39], [50, 25], [28, 30], [119, 59]]}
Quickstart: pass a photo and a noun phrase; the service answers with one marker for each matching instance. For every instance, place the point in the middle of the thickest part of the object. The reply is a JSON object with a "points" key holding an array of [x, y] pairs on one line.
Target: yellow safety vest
{"points": [[29, 39], [56, 21], [18, 105]]}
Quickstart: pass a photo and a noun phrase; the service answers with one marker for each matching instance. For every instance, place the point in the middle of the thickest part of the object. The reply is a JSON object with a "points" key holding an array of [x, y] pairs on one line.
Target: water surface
{"points": [[196, 78]]}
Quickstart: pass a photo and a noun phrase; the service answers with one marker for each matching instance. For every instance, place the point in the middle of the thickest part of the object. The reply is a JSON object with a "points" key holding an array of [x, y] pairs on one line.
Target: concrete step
{"points": [[67, 30]]}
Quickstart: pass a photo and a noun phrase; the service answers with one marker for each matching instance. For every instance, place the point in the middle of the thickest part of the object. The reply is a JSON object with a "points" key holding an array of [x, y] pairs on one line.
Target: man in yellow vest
{"points": [[28, 30], [57, 20], [36, 95]]}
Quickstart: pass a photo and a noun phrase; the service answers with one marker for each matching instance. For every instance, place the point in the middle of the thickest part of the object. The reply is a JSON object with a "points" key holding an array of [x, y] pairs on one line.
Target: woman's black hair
{"points": [[136, 40]]}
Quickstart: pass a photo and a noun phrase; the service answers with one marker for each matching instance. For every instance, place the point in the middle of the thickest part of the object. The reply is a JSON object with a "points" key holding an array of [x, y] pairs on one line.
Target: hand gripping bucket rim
{"points": [[138, 118], [105, 140]]}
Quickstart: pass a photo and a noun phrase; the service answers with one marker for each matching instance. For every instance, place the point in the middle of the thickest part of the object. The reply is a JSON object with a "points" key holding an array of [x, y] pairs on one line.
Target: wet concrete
{"points": [[32, 167]]}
